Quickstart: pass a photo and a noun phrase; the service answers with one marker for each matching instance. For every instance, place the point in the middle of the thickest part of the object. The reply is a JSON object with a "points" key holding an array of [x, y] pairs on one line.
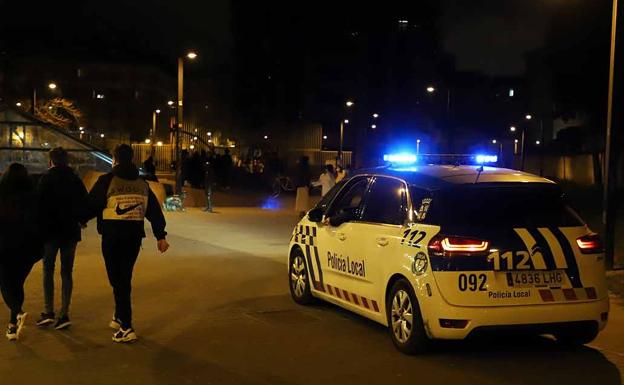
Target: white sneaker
{"points": [[125, 336], [11, 333], [21, 321], [115, 324]]}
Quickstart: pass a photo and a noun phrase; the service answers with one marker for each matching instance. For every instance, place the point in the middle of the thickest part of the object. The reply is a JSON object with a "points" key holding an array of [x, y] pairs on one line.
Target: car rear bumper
{"points": [[542, 319]]}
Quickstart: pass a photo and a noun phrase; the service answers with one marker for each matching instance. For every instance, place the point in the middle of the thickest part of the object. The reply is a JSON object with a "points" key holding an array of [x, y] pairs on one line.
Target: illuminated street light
{"points": [[170, 103], [512, 128], [209, 133], [431, 89], [349, 103], [373, 126], [537, 142], [18, 104], [81, 128], [158, 111], [192, 147], [148, 141], [324, 136], [179, 121], [346, 121], [417, 140], [159, 143], [493, 141], [101, 135], [209, 140], [52, 86], [266, 137], [515, 140], [375, 116], [528, 117]]}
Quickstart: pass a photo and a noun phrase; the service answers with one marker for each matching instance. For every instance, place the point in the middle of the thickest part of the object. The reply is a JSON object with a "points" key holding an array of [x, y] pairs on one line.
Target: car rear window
{"points": [[513, 205]]}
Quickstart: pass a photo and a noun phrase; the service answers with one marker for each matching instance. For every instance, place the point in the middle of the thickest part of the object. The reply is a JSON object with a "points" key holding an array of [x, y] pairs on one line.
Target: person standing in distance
{"points": [[121, 201], [61, 196]]}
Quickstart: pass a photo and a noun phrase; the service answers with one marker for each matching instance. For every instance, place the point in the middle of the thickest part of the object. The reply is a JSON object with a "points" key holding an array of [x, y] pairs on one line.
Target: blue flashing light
{"points": [[486, 158], [271, 203], [402, 158]]}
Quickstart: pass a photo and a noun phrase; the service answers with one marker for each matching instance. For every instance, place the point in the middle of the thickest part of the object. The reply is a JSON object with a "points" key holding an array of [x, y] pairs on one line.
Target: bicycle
{"points": [[282, 183]]}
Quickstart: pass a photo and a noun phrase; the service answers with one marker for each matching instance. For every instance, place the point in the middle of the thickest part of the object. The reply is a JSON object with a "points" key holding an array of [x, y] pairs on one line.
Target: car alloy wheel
{"points": [[402, 316], [298, 276]]}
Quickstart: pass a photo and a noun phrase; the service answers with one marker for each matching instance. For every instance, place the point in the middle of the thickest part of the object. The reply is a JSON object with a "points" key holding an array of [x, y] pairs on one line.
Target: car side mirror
{"points": [[315, 215]]}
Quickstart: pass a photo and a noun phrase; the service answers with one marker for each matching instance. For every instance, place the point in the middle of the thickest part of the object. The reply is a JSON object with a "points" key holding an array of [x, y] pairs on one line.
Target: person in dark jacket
{"points": [[20, 242], [61, 196], [121, 200], [149, 169]]}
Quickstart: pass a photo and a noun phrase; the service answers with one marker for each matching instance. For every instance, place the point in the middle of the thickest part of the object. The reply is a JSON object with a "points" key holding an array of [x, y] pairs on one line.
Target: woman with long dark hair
{"points": [[20, 241]]}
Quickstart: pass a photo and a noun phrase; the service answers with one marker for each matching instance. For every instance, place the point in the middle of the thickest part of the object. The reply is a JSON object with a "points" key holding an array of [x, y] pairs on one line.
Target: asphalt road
{"points": [[216, 310]]}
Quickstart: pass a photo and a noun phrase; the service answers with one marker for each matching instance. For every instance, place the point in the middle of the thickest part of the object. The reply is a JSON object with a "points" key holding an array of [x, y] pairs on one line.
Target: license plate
{"points": [[535, 278]]}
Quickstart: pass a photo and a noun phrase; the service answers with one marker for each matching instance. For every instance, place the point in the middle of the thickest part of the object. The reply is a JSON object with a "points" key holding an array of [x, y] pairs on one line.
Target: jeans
{"points": [[208, 191], [13, 274], [68, 253], [120, 255]]}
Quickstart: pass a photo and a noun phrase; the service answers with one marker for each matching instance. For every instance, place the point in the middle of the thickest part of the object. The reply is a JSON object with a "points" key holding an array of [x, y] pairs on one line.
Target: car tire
{"points": [[577, 336], [298, 280], [401, 307]]}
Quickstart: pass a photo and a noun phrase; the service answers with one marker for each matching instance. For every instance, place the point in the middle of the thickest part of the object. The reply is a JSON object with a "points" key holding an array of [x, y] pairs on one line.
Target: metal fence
{"points": [[163, 155]]}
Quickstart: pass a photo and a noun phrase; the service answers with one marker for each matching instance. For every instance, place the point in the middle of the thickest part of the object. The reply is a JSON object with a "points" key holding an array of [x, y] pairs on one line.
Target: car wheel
{"points": [[404, 319], [298, 279], [577, 336]]}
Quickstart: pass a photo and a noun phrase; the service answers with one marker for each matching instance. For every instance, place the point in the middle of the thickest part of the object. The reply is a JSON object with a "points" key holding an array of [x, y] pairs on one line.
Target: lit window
{"points": [[511, 92]]}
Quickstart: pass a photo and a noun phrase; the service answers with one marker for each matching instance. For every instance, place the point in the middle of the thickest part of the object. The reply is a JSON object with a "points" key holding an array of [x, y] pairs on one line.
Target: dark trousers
{"points": [[68, 253], [13, 274], [120, 255]]}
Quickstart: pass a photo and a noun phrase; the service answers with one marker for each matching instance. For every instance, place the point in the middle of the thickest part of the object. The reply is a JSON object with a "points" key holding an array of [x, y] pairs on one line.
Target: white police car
{"points": [[444, 252]]}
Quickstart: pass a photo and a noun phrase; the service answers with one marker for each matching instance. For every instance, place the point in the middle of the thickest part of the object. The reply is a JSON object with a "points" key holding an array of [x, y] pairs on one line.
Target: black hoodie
{"points": [[120, 200], [61, 196]]}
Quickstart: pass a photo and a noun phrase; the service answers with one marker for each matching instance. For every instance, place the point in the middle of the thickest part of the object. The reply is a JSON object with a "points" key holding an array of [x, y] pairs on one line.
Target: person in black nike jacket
{"points": [[121, 200]]}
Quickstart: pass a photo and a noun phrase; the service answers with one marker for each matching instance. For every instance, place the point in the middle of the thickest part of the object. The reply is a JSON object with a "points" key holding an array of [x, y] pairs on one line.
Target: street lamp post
{"points": [[348, 103], [342, 123], [180, 117], [153, 131], [608, 204]]}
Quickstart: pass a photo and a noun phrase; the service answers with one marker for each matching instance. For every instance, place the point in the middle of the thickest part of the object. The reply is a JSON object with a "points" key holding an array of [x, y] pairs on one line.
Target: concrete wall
{"points": [[570, 168]]}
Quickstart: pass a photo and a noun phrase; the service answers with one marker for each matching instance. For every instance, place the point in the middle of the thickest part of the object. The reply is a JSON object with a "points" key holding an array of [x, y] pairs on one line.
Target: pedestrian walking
{"points": [[227, 168], [20, 242], [121, 201], [326, 180], [149, 169], [209, 181], [302, 182], [341, 173], [61, 196]]}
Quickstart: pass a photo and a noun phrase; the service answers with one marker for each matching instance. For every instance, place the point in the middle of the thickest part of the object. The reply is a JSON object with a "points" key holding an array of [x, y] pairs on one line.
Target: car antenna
{"points": [[479, 171]]}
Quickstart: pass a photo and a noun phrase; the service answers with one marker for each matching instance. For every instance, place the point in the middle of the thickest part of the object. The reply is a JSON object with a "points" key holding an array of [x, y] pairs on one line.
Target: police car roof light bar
{"points": [[449, 159]]}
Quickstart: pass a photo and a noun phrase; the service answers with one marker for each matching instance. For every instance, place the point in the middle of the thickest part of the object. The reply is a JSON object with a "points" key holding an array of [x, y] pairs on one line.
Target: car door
{"points": [[336, 249], [374, 239]]}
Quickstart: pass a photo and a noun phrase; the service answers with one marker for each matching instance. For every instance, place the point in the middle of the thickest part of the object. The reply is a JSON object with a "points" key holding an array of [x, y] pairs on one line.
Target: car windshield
{"points": [[510, 205]]}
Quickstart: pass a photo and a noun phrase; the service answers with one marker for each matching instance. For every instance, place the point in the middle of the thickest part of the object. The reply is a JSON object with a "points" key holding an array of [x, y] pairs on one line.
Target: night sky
{"points": [[488, 36]]}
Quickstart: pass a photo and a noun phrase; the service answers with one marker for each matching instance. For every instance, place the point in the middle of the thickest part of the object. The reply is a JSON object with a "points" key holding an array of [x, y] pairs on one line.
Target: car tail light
{"points": [[590, 244], [449, 245]]}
